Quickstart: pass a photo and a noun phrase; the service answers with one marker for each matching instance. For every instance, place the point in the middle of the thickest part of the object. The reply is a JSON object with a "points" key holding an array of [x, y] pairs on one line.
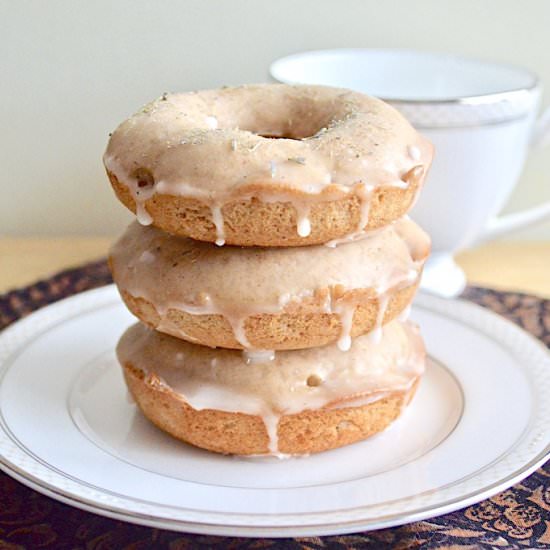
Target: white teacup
{"points": [[479, 115]]}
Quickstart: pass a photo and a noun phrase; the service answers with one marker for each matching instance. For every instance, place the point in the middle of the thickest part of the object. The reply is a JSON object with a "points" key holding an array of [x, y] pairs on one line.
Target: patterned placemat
{"points": [[516, 518]]}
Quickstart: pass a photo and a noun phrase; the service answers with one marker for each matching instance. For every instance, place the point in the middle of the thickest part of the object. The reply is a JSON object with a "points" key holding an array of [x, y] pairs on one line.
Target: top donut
{"points": [[267, 164]]}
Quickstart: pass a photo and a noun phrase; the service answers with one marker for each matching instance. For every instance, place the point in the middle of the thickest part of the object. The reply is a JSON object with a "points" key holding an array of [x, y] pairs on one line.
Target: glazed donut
{"points": [[300, 402], [261, 298], [267, 165]]}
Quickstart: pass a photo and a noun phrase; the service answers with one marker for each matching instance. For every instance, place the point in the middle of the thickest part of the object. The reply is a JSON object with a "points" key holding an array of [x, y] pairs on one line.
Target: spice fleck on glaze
{"points": [[237, 283], [332, 142], [221, 379]]}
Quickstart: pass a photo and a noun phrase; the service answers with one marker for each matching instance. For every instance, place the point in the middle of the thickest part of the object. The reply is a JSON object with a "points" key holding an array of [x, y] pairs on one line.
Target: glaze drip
{"points": [[258, 357], [303, 225], [342, 142], [271, 422], [414, 152], [345, 311], [239, 283], [217, 220], [405, 314], [221, 379], [143, 217], [375, 334], [364, 192]]}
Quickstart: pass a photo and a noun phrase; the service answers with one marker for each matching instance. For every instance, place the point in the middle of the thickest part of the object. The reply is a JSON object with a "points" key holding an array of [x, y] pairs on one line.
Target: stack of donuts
{"points": [[271, 267]]}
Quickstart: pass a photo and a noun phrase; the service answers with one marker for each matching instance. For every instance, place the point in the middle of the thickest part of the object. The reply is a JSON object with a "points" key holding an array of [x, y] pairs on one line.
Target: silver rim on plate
{"points": [[526, 454]]}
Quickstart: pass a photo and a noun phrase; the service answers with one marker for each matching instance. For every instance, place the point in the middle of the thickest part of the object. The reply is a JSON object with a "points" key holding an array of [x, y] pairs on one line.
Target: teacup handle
{"points": [[500, 225]]}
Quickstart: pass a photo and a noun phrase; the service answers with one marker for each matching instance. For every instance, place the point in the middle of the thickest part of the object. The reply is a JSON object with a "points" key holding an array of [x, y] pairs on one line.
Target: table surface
{"points": [[517, 266]]}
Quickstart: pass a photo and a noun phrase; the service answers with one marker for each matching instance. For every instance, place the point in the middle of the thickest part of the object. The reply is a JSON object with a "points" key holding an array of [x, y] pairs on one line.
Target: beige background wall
{"points": [[72, 69]]}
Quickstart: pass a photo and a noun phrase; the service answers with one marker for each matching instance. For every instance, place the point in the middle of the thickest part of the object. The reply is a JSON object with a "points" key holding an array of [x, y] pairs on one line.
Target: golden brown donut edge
{"points": [[309, 431], [299, 326], [252, 222]]}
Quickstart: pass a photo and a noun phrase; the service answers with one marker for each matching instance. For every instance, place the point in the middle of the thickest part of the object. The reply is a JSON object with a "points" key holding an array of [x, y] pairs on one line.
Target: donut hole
{"points": [[272, 136], [144, 178], [314, 380], [295, 118], [298, 130]]}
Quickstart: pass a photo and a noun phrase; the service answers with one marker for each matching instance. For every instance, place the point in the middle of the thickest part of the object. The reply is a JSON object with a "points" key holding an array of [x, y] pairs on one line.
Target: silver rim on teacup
{"points": [[456, 110]]}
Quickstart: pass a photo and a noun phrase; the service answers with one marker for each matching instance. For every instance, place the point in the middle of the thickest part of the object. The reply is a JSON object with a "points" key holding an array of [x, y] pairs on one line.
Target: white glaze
{"points": [[352, 237], [147, 257], [222, 380], [217, 220], [341, 141], [414, 152], [405, 314], [258, 357], [271, 422], [211, 122], [272, 169], [364, 192], [201, 279], [345, 312], [303, 225], [360, 401], [143, 217], [375, 334]]}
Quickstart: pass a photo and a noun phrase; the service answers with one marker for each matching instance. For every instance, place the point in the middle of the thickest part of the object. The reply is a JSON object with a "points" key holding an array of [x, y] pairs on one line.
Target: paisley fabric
{"points": [[518, 518]]}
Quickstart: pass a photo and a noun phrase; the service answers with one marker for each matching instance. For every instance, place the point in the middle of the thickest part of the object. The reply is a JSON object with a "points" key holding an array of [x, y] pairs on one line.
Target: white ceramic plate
{"points": [[479, 423]]}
